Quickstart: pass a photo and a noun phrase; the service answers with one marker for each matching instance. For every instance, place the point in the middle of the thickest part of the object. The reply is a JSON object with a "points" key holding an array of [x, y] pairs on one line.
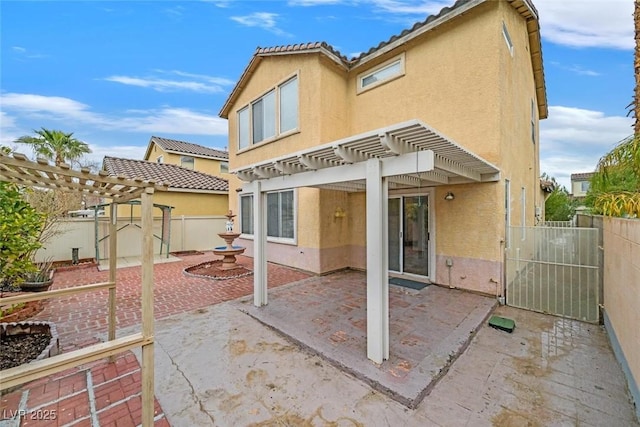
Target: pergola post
{"points": [[147, 308], [259, 246], [113, 264], [377, 263]]}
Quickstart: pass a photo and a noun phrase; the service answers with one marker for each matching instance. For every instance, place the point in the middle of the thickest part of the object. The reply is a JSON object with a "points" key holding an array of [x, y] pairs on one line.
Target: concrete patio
{"points": [[429, 328], [217, 365], [220, 367]]}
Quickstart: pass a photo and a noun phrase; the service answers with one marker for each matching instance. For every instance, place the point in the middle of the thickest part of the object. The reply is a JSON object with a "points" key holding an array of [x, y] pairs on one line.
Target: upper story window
{"points": [[533, 122], [160, 159], [382, 73], [186, 162], [269, 116], [584, 186], [224, 167], [507, 38]]}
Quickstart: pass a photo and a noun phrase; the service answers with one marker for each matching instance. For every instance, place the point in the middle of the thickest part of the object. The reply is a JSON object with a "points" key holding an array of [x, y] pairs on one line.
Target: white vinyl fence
{"points": [[186, 233], [554, 270]]}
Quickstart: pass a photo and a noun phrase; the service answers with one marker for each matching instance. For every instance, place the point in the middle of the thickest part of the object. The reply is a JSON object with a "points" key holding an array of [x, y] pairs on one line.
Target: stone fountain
{"points": [[229, 252]]}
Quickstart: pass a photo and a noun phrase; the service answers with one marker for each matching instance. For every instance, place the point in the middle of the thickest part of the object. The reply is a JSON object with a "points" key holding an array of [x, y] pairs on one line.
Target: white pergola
{"points": [[20, 170], [404, 155]]}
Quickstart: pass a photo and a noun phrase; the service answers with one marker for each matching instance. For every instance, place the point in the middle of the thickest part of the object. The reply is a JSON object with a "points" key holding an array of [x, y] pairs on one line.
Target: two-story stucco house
{"points": [[412, 159]]}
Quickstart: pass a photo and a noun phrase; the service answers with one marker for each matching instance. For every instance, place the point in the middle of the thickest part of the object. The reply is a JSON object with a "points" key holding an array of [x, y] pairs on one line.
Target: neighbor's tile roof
{"points": [[581, 176], [189, 148], [173, 175]]}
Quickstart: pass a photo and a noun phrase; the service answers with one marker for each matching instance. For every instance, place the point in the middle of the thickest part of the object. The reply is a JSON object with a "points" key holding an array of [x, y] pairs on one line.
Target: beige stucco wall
{"points": [[459, 79], [622, 289], [183, 204]]}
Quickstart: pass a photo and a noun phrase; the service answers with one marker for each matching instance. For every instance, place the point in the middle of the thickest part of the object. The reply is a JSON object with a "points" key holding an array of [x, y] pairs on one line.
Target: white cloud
{"points": [[572, 140], [194, 82], [54, 107], [592, 23], [24, 53], [264, 20], [10, 131], [75, 114], [174, 120], [577, 69], [124, 151]]}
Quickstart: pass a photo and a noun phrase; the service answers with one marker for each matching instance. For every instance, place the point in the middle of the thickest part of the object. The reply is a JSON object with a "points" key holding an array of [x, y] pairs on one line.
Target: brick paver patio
{"points": [[105, 394]]}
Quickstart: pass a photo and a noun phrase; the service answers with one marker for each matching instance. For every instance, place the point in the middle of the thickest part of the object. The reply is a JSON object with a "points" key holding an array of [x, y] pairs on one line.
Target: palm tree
{"points": [[56, 145], [616, 183]]}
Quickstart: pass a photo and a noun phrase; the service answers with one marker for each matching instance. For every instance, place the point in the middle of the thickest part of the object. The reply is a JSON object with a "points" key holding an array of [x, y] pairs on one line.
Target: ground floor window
{"points": [[280, 214]]}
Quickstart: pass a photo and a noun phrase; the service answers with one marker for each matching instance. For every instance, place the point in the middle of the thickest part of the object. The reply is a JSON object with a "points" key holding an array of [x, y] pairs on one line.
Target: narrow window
{"points": [[270, 115], [289, 105], [280, 214], [584, 186], [383, 73], [246, 214], [523, 203], [160, 159], [187, 162], [533, 122], [243, 128], [507, 38], [264, 117], [224, 167], [507, 214]]}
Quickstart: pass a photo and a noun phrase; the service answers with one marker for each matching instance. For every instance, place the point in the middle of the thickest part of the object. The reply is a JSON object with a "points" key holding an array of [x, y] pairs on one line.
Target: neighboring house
{"points": [[411, 159], [188, 155], [580, 183], [190, 192]]}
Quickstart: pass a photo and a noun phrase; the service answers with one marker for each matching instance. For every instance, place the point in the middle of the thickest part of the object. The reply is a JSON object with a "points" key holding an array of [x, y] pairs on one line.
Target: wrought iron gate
{"points": [[554, 270]]}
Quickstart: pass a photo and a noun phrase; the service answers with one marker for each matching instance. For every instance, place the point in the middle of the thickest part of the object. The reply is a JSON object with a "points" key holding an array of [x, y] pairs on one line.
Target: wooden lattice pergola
{"points": [[18, 169]]}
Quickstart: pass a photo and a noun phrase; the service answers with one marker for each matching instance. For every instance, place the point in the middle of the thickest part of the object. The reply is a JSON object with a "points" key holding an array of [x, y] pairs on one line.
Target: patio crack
{"points": [[194, 396]]}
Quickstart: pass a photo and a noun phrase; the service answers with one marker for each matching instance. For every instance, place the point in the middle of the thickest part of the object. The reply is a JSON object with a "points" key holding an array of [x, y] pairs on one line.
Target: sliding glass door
{"points": [[409, 234]]}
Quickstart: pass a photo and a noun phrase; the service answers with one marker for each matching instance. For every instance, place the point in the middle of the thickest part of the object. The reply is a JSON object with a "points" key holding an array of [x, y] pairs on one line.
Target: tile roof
{"points": [[581, 176], [173, 175], [189, 148]]}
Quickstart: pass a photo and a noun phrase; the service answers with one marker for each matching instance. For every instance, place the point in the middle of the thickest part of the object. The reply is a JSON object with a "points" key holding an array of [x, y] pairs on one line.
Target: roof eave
{"points": [[200, 156], [197, 190], [417, 33]]}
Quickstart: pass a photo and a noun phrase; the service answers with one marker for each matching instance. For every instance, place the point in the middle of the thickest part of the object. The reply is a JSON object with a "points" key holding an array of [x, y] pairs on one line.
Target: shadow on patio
{"points": [[428, 328]]}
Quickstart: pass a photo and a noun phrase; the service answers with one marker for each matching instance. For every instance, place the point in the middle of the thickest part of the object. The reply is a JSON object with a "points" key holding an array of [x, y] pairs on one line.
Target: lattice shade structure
{"points": [[17, 168], [453, 164], [20, 170]]}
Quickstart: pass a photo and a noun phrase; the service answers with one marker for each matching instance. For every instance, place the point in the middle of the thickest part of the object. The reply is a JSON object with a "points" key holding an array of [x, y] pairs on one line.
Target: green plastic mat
{"points": [[502, 323]]}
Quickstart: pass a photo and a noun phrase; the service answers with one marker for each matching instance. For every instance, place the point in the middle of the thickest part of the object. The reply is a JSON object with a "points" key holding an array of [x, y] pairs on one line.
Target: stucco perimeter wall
{"points": [[622, 296]]}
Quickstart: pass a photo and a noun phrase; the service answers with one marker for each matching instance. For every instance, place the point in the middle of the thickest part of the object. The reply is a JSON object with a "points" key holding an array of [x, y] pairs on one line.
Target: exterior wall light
{"points": [[449, 196], [340, 213]]}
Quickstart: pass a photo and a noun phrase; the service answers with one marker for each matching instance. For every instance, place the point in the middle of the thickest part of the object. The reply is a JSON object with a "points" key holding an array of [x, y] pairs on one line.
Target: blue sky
{"points": [[115, 73]]}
